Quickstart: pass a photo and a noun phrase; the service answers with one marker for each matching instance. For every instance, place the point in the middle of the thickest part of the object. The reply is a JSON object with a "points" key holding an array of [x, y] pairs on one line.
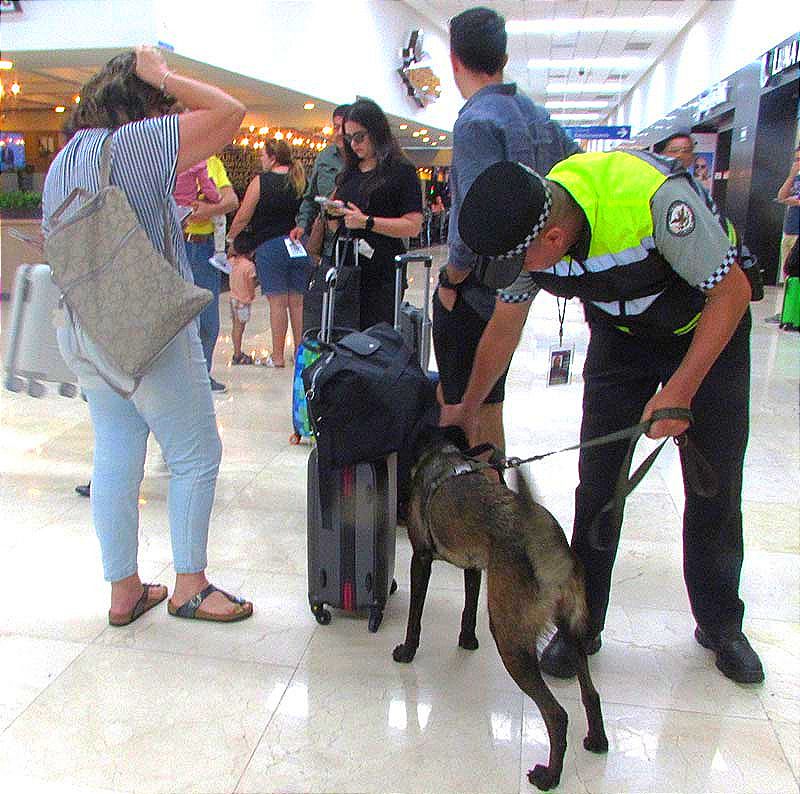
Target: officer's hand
{"points": [[460, 416], [665, 427], [296, 234]]}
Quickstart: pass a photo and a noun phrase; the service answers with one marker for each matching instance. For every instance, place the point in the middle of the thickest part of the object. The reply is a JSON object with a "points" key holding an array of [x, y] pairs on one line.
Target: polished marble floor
{"points": [[280, 704]]}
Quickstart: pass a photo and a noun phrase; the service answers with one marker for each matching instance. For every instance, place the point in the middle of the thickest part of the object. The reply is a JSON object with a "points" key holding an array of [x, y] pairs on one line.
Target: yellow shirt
{"points": [[216, 170]]}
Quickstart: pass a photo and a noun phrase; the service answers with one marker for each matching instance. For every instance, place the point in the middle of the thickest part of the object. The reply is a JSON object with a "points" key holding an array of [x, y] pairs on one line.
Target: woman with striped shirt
{"points": [[130, 100]]}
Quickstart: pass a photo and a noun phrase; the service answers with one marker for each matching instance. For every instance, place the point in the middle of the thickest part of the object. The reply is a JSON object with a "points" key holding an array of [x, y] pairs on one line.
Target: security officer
{"points": [[667, 304]]}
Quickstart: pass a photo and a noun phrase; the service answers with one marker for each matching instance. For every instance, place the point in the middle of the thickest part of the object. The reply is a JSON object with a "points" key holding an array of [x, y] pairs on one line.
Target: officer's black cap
{"points": [[505, 208]]}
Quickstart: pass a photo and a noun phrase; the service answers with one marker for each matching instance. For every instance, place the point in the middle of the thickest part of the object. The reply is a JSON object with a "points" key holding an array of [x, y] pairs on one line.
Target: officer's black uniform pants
{"points": [[621, 374]]}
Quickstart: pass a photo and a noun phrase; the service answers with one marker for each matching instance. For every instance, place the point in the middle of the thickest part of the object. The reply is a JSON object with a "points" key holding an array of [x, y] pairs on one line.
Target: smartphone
{"points": [[329, 204]]}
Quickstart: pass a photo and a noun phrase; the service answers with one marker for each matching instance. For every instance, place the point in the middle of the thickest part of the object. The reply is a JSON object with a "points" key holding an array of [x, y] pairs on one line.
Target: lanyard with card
{"points": [[561, 356]]}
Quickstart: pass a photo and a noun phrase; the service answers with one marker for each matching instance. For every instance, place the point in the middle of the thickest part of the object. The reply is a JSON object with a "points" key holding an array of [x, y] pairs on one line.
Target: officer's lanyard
{"points": [[562, 310]]}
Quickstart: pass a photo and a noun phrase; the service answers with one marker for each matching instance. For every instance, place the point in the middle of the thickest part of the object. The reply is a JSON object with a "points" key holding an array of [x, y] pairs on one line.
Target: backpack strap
{"points": [[104, 175]]}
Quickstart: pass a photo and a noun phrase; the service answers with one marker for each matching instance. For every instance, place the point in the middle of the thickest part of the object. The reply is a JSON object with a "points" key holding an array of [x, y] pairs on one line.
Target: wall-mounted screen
{"points": [[12, 151]]}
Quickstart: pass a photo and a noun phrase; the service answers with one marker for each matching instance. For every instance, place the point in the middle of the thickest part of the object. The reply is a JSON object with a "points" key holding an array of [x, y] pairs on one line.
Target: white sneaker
{"points": [[220, 262]]}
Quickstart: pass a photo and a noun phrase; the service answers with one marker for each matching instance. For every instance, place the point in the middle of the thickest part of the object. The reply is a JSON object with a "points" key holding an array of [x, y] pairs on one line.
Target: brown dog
{"points": [[457, 514]]}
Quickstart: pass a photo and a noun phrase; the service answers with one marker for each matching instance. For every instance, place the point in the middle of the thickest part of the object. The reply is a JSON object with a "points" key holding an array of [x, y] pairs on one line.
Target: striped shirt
{"points": [[144, 157]]}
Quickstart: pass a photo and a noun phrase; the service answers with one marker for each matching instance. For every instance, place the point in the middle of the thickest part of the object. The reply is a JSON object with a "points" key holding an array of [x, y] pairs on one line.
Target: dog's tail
{"points": [[562, 578]]}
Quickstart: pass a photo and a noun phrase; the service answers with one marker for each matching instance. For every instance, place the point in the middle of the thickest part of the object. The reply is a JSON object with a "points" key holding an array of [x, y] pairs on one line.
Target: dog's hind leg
{"points": [[421, 562], [596, 739], [472, 588], [524, 669]]}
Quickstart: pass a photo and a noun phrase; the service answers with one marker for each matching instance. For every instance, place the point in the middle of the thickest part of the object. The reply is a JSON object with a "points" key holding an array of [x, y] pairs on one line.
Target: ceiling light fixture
{"points": [[263, 130], [60, 109], [6, 65], [626, 62], [415, 134], [585, 88], [327, 130], [565, 104], [425, 139], [423, 132], [404, 126], [591, 24], [15, 88], [309, 106], [442, 137]]}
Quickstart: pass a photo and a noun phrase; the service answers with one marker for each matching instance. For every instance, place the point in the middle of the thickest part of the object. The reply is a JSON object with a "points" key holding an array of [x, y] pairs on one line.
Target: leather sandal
{"points": [[145, 603], [191, 609]]}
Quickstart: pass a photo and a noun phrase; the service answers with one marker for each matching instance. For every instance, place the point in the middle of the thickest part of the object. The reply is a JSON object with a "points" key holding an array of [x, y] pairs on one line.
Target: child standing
{"points": [[243, 293]]}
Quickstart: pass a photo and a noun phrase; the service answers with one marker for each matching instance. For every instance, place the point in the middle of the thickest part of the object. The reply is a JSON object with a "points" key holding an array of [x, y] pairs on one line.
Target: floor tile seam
{"points": [[264, 731], [45, 688], [184, 654], [673, 710], [786, 758]]}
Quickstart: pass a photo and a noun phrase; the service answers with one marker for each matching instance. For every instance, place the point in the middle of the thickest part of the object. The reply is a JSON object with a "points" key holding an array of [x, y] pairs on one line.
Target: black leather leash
{"points": [[700, 475]]}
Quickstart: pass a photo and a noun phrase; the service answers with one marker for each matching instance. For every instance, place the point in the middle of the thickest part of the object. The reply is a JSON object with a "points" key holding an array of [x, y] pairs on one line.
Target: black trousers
{"points": [[621, 374]]}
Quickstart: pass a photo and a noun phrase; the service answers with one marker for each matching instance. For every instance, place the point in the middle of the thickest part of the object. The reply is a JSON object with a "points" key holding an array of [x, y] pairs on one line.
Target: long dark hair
{"points": [[369, 115], [114, 96]]}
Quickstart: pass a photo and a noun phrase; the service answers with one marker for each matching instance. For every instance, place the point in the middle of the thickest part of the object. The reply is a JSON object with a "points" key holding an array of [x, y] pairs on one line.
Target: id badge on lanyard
{"points": [[559, 362]]}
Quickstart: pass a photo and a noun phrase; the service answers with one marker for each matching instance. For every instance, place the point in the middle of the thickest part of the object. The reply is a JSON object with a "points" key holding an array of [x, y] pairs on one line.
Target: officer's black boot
{"points": [[560, 657], [735, 658]]}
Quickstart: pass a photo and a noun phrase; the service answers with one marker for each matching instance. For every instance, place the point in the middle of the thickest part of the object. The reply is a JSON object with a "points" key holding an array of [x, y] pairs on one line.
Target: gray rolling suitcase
{"points": [[33, 357], [351, 542], [411, 322]]}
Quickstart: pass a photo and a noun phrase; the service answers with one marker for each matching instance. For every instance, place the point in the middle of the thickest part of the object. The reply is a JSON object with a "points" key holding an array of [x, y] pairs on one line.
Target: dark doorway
{"points": [[774, 145]]}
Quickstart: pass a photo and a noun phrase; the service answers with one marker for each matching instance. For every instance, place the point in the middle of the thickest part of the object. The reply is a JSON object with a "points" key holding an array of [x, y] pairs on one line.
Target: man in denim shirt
{"points": [[328, 164], [496, 123]]}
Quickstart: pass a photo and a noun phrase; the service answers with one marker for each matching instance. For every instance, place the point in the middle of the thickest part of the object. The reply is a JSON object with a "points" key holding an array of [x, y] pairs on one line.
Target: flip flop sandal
{"points": [[145, 603], [269, 362], [242, 358], [191, 609]]}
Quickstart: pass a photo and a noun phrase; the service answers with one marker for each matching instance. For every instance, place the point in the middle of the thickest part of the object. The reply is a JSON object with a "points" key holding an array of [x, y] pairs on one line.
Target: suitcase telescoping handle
{"points": [[329, 296], [400, 261]]}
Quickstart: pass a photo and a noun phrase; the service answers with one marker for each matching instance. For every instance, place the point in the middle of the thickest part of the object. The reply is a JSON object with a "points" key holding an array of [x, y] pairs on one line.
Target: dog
{"points": [[458, 514]]}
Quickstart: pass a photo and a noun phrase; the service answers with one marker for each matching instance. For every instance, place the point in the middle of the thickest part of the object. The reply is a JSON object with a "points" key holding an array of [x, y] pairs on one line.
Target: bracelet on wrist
{"points": [[369, 223], [162, 85]]}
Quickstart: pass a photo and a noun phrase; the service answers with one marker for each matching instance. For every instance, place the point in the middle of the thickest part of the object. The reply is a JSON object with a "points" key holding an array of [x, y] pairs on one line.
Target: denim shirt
{"points": [[499, 123], [321, 183]]}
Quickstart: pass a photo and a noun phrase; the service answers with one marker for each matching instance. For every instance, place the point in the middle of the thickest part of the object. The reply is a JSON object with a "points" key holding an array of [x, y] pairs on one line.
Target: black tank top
{"points": [[277, 207]]}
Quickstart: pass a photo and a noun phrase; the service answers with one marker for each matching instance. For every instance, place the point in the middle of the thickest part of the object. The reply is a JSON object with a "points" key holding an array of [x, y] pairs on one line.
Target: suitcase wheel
{"points": [[35, 389], [294, 439], [320, 613], [375, 618], [393, 588], [15, 383], [67, 389]]}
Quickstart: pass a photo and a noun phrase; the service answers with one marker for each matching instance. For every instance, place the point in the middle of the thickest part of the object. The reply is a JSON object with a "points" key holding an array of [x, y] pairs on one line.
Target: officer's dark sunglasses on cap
{"points": [[498, 272]]}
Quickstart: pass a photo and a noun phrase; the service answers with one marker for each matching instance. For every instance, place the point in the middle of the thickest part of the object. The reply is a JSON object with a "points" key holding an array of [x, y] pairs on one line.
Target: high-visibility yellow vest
{"points": [[624, 280]]}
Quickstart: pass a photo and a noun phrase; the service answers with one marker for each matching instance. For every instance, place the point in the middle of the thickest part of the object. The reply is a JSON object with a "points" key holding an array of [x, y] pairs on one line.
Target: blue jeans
{"points": [[174, 402], [209, 278]]}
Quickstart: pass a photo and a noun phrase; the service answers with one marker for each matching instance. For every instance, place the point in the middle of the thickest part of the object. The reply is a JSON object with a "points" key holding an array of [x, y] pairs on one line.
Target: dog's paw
{"points": [[543, 778], [596, 744], [468, 641], [404, 653]]}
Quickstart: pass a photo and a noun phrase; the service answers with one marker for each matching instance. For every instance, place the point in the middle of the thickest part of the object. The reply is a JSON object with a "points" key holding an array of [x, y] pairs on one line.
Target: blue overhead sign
{"points": [[600, 132]]}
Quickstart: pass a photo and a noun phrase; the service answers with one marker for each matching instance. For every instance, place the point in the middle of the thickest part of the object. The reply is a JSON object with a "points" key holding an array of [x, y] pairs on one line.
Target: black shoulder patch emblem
{"points": [[680, 219]]}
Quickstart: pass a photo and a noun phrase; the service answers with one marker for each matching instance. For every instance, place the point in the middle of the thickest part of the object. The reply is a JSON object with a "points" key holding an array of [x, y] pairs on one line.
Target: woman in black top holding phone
{"points": [[382, 204]]}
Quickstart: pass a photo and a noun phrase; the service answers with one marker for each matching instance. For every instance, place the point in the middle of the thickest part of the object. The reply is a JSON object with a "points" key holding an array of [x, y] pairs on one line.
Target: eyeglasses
{"points": [[679, 150], [357, 137]]}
